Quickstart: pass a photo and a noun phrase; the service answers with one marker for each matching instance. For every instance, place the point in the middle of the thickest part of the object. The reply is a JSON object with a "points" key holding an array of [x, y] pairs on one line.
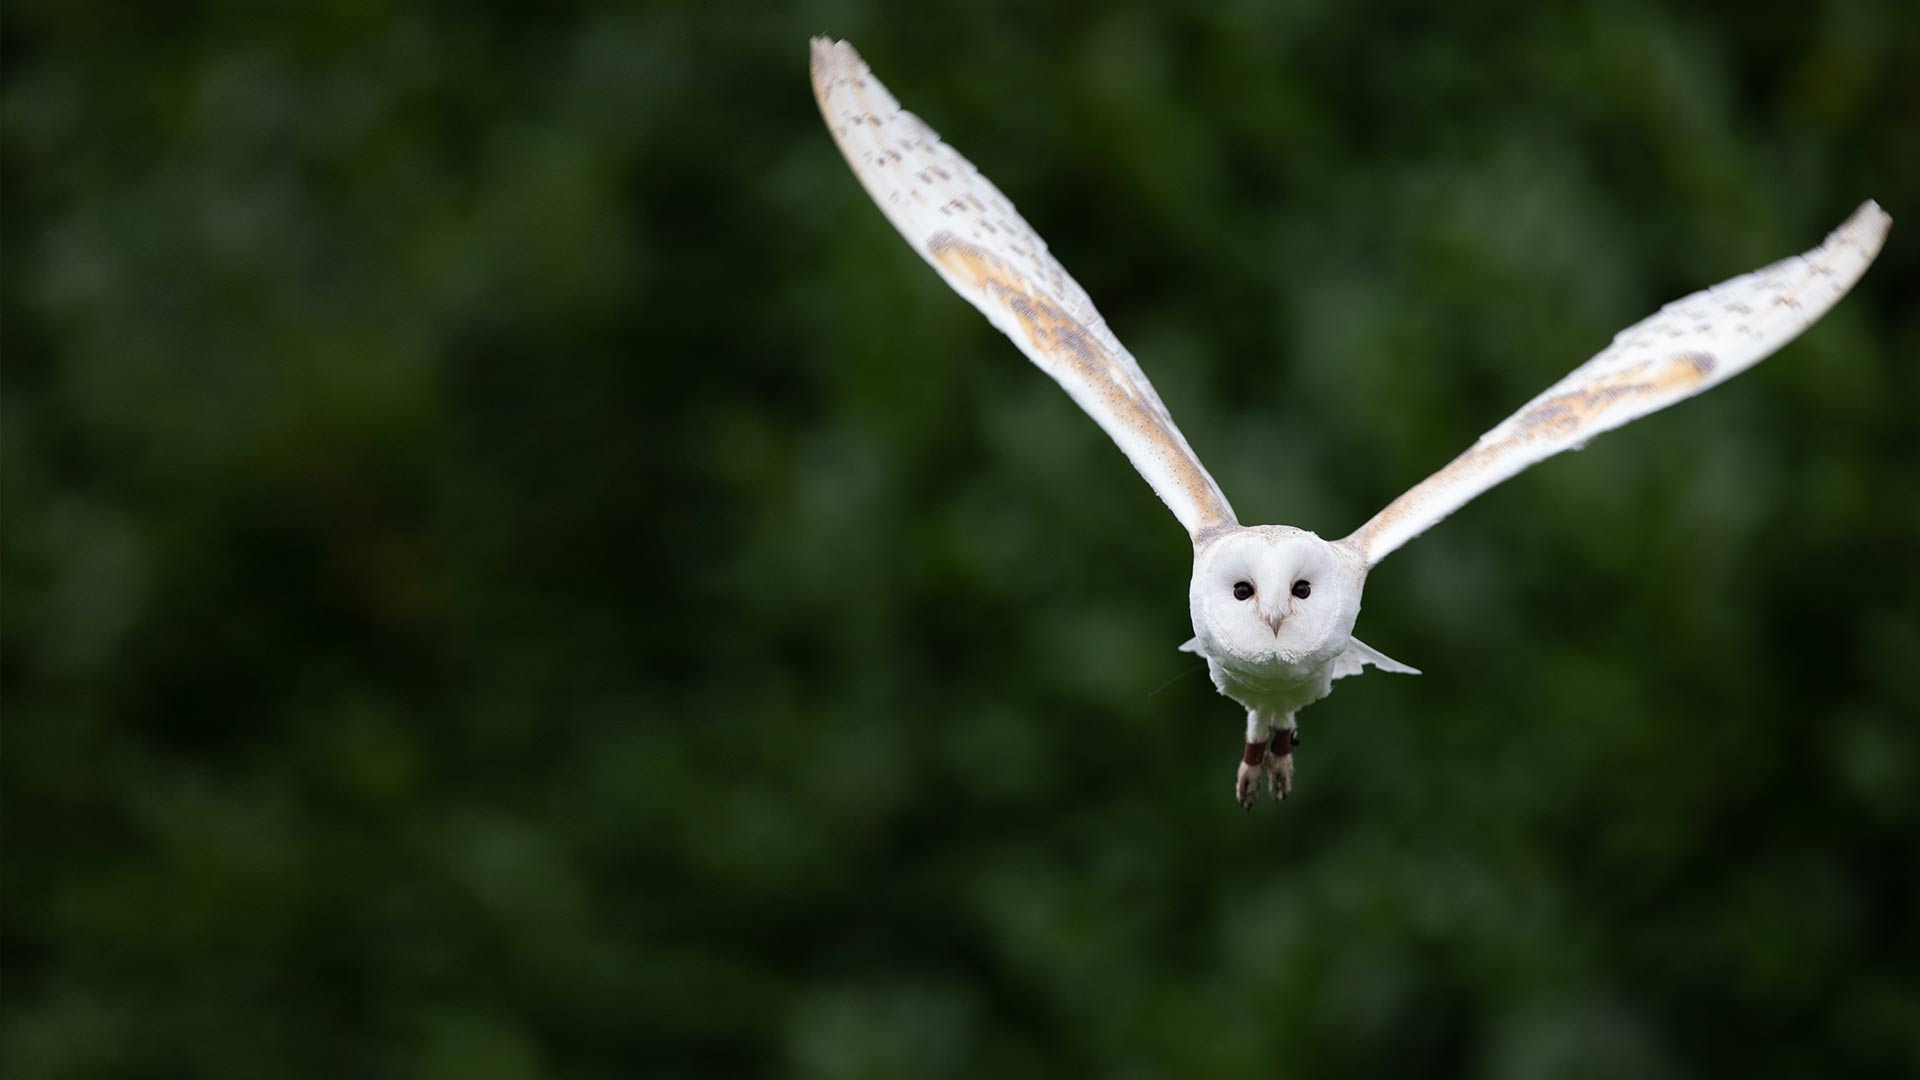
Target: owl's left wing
{"points": [[961, 224], [1688, 346]]}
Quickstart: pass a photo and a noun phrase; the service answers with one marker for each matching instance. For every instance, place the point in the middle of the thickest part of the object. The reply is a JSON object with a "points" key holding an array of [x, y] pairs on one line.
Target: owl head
{"points": [[1275, 592]]}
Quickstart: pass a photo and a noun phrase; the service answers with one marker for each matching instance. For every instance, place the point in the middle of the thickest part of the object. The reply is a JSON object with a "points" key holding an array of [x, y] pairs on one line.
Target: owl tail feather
{"points": [[1356, 656]]}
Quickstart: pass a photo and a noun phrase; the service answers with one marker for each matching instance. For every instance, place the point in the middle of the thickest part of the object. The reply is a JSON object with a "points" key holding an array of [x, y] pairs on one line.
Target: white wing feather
{"points": [[961, 224], [1690, 345]]}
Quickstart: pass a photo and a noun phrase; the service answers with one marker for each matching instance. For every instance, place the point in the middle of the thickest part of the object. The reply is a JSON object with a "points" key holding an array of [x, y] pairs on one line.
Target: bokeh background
{"points": [[512, 568]]}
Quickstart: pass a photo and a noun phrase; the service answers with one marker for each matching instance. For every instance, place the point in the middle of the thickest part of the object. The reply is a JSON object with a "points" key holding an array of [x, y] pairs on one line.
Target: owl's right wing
{"points": [[1686, 347], [961, 224]]}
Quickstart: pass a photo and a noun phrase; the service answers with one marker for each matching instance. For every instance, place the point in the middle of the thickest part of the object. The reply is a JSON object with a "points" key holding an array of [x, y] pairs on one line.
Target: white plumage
{"points": [[1273, 607]]}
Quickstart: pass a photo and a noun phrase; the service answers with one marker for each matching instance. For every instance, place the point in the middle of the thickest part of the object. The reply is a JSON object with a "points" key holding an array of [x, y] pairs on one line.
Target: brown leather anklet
{"points": [[1256, 752], [1283, 742]]}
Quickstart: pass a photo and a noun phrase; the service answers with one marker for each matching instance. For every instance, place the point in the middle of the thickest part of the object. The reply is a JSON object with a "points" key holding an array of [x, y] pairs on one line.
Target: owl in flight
{"points": [[1273, 606]]}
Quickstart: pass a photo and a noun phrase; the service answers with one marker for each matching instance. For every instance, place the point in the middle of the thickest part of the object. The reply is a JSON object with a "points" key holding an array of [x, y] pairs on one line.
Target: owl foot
{"points": [[1279, 765], [1268, 764], [1246, 784]]}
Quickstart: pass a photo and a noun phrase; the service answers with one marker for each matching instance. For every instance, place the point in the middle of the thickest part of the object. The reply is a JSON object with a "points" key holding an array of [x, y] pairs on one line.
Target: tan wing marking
{"points": [[1565, 415], [1559, 419], [1062, 339]]}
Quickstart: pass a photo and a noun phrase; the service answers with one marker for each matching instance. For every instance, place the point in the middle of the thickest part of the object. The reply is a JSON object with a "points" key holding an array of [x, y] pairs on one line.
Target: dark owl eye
{"points": [[1242, 590], [1302, 589]]}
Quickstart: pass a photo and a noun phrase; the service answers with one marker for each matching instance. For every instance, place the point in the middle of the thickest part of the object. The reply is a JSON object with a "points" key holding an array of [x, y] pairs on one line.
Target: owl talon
{"points": [[1246, 785], [1279, 772]]}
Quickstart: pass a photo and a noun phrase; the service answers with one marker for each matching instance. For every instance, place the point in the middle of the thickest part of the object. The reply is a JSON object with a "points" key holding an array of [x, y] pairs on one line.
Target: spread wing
{"points": [[1688, 346], [961, 224]]}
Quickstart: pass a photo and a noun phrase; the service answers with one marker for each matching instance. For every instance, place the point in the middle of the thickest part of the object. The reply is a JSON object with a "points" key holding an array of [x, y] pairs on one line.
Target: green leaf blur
{"points": [[512, 569]]}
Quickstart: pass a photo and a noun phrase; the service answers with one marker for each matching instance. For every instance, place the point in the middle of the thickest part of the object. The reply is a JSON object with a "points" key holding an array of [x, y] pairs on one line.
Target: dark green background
{"points": [[513, 569]]}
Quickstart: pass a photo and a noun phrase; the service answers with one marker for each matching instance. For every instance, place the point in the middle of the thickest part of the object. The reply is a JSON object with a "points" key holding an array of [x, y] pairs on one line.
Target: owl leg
{"points": [[1253, 760], [1246, 783], [1279, 766], [1267, 759]]}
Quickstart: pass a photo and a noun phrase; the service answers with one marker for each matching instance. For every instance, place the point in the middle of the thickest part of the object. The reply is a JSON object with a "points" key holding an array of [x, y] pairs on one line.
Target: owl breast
{"points": [[1275, 686]]}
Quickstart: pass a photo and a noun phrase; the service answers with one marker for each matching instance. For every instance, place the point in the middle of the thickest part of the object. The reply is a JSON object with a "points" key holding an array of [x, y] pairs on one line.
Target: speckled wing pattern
{"points": [[1688, 346], [961, 224]]}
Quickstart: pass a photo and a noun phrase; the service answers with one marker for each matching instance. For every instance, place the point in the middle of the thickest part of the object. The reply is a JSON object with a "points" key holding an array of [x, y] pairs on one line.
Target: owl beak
{"points": [[1273, 622]]}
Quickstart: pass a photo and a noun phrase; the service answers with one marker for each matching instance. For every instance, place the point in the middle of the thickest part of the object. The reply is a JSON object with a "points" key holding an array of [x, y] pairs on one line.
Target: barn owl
{"points": [[1274, 606]]}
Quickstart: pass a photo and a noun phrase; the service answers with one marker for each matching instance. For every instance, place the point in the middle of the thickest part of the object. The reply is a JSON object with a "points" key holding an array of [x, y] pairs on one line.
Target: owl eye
{"points": [[1242, 590], [1302, 588]]}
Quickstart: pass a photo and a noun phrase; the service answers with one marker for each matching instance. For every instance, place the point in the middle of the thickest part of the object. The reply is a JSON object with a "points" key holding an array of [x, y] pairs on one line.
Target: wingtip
{"points": [[1867, 227], [830, 55]]}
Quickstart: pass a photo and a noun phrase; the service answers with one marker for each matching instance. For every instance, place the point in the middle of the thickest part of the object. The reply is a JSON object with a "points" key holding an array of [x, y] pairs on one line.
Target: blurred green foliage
{"points": [[511, 568]]}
